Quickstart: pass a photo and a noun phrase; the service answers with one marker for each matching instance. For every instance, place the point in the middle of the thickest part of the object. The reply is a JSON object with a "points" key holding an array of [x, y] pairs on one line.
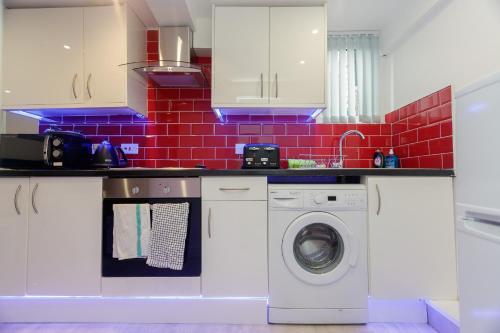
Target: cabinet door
{"points": [[411, 238], [105, 50], [43, 56], [234, 248], [297, 55], [64, 238], [13, 235], [240, 69]]}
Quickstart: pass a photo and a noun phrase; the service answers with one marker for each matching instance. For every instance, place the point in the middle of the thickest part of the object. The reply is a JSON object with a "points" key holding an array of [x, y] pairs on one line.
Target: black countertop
{"points": [[181, 172]]}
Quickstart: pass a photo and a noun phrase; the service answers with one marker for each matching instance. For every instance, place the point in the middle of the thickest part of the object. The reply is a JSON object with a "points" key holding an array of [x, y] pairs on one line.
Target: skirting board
{"points": [[397, 311], [140, 310]]}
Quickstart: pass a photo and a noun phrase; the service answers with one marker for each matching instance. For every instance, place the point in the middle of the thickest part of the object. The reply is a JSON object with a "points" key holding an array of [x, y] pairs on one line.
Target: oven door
{"points": [[151, 191]]}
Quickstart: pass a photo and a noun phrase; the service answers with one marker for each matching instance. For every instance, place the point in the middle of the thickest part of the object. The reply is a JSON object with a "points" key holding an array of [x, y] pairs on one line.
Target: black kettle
{"points": [[108, 156]]}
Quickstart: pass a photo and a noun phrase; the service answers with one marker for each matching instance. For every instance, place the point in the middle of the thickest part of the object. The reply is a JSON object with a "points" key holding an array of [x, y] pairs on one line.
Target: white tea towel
{"points": [[168, 235], [131, 230]]}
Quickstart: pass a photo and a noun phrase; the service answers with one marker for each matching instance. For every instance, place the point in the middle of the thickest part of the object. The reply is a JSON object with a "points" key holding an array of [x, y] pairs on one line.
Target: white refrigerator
{"points": [[477, 195]]}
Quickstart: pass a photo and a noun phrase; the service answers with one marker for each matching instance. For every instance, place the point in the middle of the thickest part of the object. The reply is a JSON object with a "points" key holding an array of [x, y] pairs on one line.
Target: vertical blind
{"points": [[353, 62]]}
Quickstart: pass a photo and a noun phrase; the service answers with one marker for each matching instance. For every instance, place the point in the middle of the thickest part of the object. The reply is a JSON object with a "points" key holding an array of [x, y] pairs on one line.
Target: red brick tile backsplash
{"points": [[182, 131]]}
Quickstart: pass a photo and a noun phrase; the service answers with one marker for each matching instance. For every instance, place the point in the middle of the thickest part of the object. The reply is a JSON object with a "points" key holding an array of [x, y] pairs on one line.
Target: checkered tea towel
{"points": [[168, 235]]}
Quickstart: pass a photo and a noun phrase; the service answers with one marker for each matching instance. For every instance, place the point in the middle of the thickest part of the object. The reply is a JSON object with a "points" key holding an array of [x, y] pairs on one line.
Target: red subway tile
{"points": [[152, 35], [156, 153], [167, 117], [232, 140], [108, 130], [400, 126], [179, 129], [396, 140], [179, 153], [97, 119], [191, 141], [330, 141], [286, 141], [191, 93], [401, 151], [162, 106], [392, 117], [225, 153], [127, 119], [152, 57], [207, 93], [430, 161], [202, 106], [357, 163], [145, 141], [97, 138], [309, 141], [238, 118], [411, 162], [234, 164], [261, 119], [369, 129], [417, 121], [202, 129], [250, 129], [167, 93], [133, 129], [191, 117], [446, 112], [190, 163], [285, 119], [442, 145], [167, 141], [182, 106], [408, 137], [411, 109], [226, 129], [419, 149], [210, 118], [446, 128], [85, 129], [74, 119], [118, 140], [379, 141], [366, 153], [167, 164], [429, 132], [323, 151], [262, 139], [156, 129], [298, 152], [445, 95], [321, 129], [268, 129], [351, 153], [214, 141], [356, 141], [203, 153], [297, 129], [339, 129], [447, 161], [151, 94], [215, 164], [385, 129], [428, 102], [144, 163]]}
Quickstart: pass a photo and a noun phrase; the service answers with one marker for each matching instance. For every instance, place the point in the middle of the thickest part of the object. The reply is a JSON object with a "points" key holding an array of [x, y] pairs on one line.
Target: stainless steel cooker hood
{"points": [[174, 69]]}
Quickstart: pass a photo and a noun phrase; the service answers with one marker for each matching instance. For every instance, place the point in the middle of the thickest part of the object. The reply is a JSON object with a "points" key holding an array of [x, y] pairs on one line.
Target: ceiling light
{"points": [[7, 91], [67, 47], [302, 62], [315, 31]]}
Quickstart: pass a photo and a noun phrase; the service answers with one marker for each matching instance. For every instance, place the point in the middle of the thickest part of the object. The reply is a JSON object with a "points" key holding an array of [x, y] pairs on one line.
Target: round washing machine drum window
{"points": [[318, 248]]}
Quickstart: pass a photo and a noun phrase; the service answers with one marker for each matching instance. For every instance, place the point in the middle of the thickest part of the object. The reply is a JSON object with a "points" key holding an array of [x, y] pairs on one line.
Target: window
{"points": [[352, 79]]}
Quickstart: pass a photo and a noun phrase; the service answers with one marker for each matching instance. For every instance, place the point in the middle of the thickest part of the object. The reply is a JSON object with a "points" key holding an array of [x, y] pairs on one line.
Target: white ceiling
{"points": [[56, 3]]}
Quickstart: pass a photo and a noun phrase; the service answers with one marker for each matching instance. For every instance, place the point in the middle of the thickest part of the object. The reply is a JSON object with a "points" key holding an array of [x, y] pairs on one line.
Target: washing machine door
{"points": [[318, 248]]}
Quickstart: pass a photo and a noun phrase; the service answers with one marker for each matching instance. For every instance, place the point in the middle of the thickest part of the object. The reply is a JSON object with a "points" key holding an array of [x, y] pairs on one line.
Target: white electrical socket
{"points": [[130, 148], [238, 148]]}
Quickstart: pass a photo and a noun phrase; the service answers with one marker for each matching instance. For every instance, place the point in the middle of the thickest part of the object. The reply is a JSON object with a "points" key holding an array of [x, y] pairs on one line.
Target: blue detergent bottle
{"points": [[391, 160]]}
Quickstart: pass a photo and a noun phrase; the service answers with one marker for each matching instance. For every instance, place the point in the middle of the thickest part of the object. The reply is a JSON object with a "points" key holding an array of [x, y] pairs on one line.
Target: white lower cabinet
{"points": [[411, 238], [13, 235], [53, 245], [234, 245]]}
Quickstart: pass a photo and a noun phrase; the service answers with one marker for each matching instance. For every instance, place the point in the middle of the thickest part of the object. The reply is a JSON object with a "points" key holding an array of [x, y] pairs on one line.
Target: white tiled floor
{"points": [[205, 328]]}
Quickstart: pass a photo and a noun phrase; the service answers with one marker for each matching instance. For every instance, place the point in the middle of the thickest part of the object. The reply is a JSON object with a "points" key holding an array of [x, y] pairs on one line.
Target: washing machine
{"points": [[318, 261]]}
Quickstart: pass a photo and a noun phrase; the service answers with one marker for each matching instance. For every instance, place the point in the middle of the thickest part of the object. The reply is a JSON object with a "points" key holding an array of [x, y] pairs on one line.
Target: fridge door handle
{"points": [[476, 227]]}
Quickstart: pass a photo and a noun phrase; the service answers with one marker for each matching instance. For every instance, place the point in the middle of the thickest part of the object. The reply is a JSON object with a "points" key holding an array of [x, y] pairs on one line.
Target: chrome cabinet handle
{"points": [[210, 223], [73, 85], [88, 85], [33, 199], [379, 199], [234, 188], [261, 85], [276, 79], [16, 206]]}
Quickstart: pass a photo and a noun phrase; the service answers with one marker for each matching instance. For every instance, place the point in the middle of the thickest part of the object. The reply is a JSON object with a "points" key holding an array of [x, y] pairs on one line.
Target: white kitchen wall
{"points": [[458, 46], [2, 114]]}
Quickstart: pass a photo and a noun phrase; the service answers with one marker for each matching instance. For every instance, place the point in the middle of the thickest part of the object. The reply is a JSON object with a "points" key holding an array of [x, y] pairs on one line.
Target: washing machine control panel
{"points": [[336, 199]]}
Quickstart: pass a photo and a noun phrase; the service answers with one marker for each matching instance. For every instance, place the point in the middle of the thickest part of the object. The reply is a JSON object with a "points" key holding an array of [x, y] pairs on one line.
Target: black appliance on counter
{"points": [[152, 191], [261, 156], [108, 156], [53, 149]]}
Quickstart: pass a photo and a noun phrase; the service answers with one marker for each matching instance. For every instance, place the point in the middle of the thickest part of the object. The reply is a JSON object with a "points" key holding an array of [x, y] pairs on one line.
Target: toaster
{"points": [[261, 156]]}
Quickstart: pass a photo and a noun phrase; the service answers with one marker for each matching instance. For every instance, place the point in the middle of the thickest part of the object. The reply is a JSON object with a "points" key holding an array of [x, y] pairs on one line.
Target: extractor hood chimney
{"points": [[174, 68]]}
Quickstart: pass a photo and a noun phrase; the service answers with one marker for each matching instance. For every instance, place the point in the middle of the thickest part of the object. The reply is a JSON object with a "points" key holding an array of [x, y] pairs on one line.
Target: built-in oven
{"points": [[151, 191]]}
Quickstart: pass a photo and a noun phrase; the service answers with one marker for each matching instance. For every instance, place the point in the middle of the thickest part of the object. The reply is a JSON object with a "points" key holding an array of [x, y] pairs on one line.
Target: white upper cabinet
{"points": [[43, 57], [241, 53], [269, 57], [297, 58], [71, 57]]}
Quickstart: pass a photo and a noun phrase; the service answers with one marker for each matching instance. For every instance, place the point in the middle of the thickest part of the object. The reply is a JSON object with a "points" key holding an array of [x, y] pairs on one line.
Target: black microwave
{"points": [[55, 149]]}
